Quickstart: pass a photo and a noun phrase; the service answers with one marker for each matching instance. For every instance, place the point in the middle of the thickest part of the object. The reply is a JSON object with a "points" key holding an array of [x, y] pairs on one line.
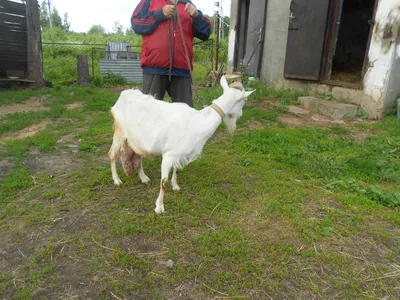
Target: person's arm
{"points": [[145, 22], [201, 27]]}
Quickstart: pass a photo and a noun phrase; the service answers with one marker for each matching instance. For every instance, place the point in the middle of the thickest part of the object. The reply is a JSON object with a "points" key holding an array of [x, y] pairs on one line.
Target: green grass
{"points": [[272, 212]]}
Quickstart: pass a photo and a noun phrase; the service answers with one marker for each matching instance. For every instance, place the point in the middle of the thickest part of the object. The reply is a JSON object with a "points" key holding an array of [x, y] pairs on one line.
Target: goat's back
{"points": [[151, 126]]}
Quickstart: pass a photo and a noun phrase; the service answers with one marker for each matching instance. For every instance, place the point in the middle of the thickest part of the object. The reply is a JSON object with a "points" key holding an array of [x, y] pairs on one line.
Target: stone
{"points": [[320, 119], [298, 111], [169, 263], [331, 109], [338, 122]]}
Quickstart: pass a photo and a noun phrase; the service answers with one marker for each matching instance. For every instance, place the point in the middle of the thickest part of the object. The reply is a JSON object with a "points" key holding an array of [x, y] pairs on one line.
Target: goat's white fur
{"points": [[173, 131]]}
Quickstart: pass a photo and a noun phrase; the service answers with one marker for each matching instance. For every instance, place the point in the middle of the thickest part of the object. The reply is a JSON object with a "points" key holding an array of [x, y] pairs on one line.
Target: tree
{"points": [[44, 14], [55, 18], [66, 24], [129, 31], [97, 29], [118, 28]]}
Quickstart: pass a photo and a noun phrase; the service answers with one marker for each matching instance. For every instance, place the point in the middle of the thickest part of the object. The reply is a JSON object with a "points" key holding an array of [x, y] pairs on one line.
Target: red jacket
{"points": [[149, 21]]}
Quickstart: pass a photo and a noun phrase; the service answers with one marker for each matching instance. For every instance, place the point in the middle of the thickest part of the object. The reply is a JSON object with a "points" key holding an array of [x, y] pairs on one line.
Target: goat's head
{"points": [[237, 97]]}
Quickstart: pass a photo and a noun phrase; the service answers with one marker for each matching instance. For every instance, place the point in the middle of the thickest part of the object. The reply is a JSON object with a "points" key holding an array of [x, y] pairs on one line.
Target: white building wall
{"points": [[383, 54], [381, 85]]}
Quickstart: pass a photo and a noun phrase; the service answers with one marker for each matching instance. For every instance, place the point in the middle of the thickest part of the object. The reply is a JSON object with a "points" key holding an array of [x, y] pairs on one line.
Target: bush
{"points": [[109, 79]]}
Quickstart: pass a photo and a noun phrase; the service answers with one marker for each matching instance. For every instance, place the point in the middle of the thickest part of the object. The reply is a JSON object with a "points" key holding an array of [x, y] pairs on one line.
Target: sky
{"points": [[83, 14]]}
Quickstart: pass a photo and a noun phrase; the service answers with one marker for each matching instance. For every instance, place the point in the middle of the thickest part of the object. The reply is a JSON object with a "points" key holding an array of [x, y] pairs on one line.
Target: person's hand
{"points": [[168, 10], [191, 9]]}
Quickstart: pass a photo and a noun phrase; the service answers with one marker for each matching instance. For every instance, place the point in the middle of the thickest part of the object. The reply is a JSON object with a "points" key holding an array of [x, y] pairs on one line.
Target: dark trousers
{"points": [[179, 88]]}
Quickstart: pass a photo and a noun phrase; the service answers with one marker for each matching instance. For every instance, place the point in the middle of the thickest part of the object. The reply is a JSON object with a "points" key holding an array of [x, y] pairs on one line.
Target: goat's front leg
{"points": [[143, 176], [174, 181], [166, 166]]}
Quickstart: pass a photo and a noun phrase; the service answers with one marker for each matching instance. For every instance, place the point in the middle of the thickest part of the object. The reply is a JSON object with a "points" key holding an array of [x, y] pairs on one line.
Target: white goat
{"points": [[173, 131]]}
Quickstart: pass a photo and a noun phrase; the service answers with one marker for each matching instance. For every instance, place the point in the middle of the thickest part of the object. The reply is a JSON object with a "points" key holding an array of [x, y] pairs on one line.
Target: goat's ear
{"points": [[247, 94], [224, 82]]}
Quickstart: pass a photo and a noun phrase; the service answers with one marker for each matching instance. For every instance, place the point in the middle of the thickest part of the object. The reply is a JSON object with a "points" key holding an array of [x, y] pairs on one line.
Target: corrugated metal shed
{"points": [[13, 36], [130, 69], [112, 49]]}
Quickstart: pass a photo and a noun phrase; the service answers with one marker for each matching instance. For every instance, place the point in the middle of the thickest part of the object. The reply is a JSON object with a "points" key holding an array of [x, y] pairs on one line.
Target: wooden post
{"points": [[217, 44], [83, 70], [35, 66]]}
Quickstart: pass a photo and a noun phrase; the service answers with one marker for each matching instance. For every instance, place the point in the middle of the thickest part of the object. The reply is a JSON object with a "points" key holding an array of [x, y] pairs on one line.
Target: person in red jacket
{"points": [[164, 58]]}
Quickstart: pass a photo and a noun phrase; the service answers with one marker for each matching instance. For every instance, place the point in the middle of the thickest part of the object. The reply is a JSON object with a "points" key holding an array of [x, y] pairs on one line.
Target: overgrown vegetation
{"points": [[272, 212], [61, 48]]}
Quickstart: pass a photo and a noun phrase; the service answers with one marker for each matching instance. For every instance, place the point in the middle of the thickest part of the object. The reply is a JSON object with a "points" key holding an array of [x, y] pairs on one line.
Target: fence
{"points": [[60, 66]]}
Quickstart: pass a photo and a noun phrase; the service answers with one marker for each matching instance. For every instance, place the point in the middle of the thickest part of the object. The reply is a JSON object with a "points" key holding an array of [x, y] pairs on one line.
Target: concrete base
{"points": [[334, 110], [373, 108], [298, 111]]}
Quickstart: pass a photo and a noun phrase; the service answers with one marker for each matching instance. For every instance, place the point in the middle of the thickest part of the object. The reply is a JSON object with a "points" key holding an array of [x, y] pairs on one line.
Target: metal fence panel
{"points": [[130, 69], [113, 48]]}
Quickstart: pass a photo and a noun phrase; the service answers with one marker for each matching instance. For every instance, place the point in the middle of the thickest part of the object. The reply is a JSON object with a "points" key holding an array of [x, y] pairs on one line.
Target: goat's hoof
{"points": [[145, 180], [176, 188], [117, 181], [159, 209]]}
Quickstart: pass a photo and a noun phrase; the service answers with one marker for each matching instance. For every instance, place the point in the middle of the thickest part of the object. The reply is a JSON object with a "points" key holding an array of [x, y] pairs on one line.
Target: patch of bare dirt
{"points": [[360, 136], [292, 121], [254, 125], [74, 105], [55, 164], [27, 132], [367, 250], [71, 141], [5, 166], [141, 245], [33, 104], [266, 105], [320, 209]]}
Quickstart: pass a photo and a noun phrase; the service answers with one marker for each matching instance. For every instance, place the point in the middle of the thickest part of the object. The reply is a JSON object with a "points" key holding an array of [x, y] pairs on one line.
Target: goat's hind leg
{"points": [[112, 154], [166, 166], [174, 181], [141, 174], [114, 151]]}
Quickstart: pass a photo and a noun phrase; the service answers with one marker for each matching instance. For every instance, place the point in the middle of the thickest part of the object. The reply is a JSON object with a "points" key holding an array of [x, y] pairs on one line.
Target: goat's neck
{"points": [[224, 103], [210, 119]]}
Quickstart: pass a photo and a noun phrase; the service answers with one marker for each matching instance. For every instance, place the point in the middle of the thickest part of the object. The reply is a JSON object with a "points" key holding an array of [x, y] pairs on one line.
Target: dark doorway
{"points": [[352, 42], [242, 26]]}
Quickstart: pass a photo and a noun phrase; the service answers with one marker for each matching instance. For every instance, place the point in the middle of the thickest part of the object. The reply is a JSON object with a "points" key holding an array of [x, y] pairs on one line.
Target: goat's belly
{"points": [[143, 151]]}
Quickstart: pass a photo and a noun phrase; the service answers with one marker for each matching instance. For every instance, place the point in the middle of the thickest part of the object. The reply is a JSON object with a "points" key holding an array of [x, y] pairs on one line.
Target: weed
{"points": [[326, 96], [362, 114]]}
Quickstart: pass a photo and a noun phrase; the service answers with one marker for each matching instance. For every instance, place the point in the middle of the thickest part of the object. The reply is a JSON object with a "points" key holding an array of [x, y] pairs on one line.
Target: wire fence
{"points": [[60, 60]]}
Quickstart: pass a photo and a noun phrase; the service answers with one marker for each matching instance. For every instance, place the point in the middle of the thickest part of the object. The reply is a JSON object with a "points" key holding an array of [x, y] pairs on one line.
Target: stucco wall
{"points": [[275, 40], [381, 79], [232, 34], [393, 91]]}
